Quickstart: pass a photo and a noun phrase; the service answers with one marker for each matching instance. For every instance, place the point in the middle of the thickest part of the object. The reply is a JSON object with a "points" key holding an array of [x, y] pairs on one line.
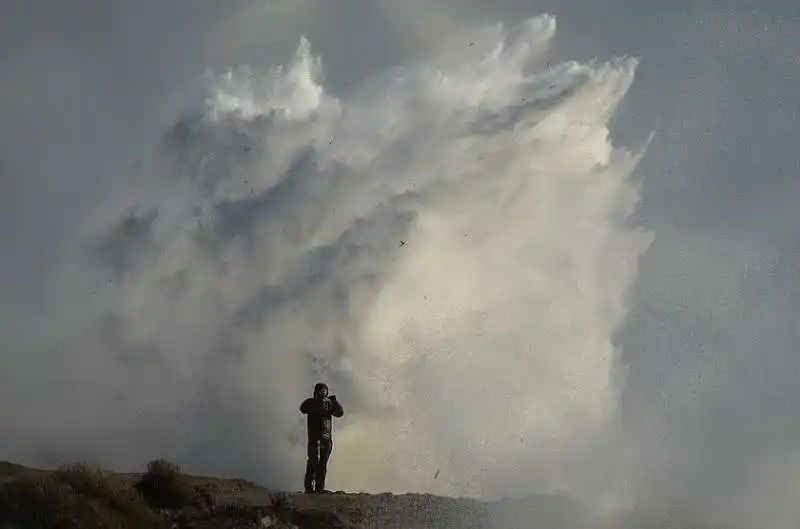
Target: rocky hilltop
{"points": [[80, 496]]}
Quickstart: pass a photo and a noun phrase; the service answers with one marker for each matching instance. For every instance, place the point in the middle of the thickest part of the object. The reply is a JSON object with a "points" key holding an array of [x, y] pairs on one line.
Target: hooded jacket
{"points": [[318, 417]]}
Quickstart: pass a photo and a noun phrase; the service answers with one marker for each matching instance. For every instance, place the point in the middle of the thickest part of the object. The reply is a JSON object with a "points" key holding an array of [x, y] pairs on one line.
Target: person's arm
{"points": [[336, 408], [305, 407]]}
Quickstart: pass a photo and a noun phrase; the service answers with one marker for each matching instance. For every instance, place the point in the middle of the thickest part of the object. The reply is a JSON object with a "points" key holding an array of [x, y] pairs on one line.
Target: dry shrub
{"points": [[164, 486], [74, 496]]}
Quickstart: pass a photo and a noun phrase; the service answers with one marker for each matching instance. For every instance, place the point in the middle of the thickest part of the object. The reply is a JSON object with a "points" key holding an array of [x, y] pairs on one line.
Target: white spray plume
{"points": [[448, 249]]}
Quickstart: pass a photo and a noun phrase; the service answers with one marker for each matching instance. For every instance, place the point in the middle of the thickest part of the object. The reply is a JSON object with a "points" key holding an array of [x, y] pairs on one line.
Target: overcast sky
{"points": [[710, 345]]}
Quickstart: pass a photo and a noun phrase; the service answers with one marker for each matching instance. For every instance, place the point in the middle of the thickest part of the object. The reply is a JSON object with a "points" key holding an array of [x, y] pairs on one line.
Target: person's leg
{"points": [[325, 449], [312, 462]]}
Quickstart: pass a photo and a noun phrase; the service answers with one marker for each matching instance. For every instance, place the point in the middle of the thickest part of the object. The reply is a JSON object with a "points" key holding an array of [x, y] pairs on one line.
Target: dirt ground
{"points": [[239, 504]]}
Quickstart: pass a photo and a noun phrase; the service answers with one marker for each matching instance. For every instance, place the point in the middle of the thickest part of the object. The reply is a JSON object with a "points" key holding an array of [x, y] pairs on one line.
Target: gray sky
{"points": [[88, 89]]}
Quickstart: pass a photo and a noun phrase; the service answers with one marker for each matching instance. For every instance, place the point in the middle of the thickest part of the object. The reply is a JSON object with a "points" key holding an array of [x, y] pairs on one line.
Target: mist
{"points": [[447, 227]]}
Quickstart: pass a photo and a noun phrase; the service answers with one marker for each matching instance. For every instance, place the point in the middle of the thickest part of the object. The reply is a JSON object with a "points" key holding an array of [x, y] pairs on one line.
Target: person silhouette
{"points": [[319, 411]]}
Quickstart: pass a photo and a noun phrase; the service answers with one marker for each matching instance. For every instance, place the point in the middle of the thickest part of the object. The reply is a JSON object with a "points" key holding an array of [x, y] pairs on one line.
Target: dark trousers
{"points": [[319, 451]]}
